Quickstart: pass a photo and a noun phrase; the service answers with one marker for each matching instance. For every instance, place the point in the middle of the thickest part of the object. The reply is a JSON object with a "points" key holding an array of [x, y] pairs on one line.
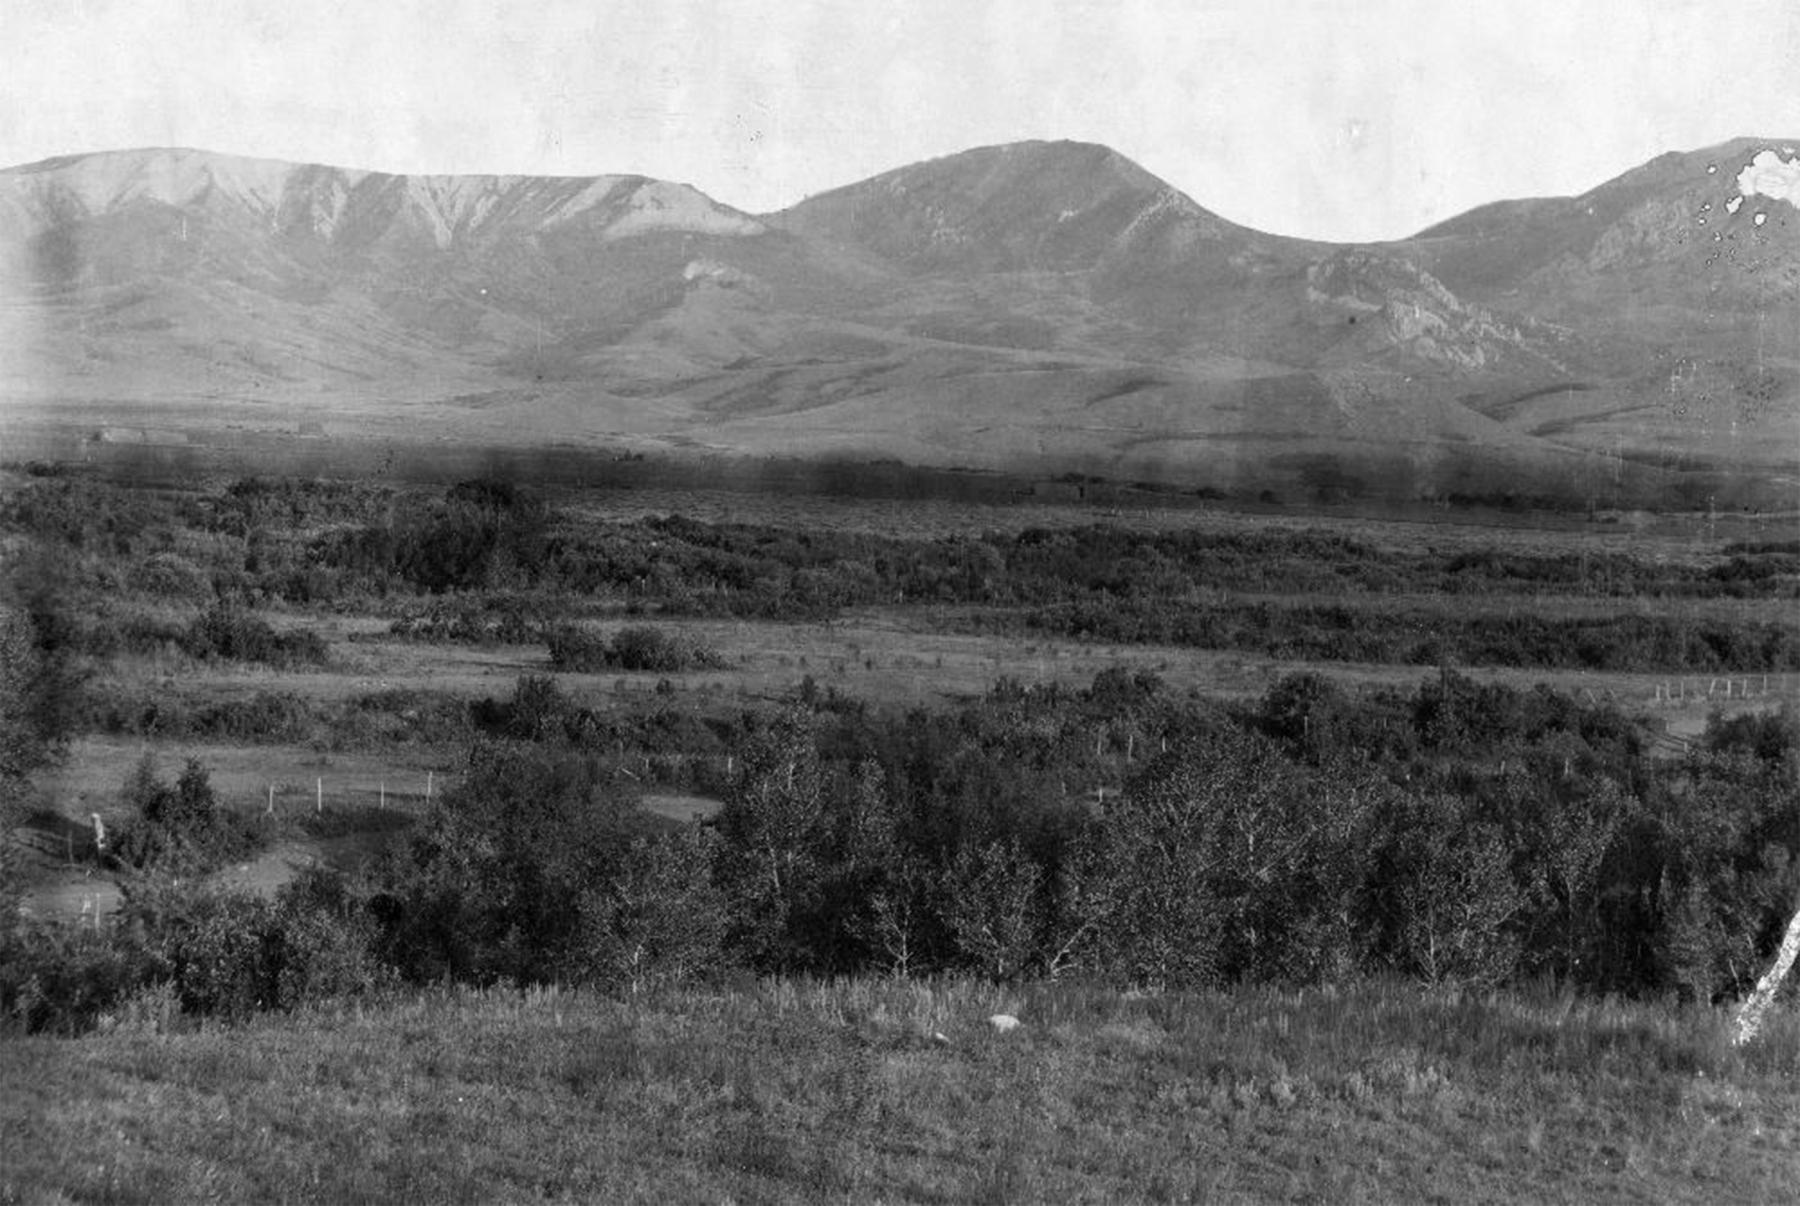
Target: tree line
{"points": [[1456, 832]]}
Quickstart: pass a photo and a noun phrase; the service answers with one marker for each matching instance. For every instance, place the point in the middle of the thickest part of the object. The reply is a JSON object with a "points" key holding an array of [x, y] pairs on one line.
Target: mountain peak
{"points": [[1021, 206], [1041, 154]]}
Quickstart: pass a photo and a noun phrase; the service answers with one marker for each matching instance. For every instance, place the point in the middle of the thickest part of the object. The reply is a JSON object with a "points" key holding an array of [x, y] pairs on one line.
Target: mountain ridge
{"points": [[1047, 304], [1726, 150]]}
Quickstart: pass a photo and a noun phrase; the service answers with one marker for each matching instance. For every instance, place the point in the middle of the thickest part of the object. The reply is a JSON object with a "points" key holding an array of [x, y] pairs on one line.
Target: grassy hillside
{"points": [[786, 1091]]}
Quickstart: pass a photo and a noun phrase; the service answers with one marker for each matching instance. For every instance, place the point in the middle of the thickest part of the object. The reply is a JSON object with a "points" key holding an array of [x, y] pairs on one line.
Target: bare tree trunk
{"points": [[1756, 1005]]}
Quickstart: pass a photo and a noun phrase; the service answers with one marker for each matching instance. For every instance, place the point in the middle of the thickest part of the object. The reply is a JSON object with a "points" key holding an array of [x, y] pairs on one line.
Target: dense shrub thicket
{"points": [[1458, 832], [494, 559]]}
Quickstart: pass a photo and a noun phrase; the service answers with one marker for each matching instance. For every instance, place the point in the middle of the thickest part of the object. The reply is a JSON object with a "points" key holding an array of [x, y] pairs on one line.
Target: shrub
{"points": [[772, 823], [228, 633], [490, 883], [213, 944], [397, 715], [324, 942], [644, 648], [229, 954], [640, 648], [577, 649], [538, 708], [181, 827], [1771, 736], [171, 576], [61, 979]]}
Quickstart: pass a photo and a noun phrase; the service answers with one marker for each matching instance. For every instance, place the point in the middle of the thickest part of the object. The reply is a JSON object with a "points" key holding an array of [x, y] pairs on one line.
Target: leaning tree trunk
{"points": [[1750, 1014]]}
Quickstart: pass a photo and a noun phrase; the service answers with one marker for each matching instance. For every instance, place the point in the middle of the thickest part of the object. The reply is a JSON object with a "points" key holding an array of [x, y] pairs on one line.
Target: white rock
{"points": [[1003, 1022]]}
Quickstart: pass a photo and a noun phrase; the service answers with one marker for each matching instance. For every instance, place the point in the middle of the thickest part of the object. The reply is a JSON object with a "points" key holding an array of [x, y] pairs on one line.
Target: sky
{"points": [[1344, 121]]}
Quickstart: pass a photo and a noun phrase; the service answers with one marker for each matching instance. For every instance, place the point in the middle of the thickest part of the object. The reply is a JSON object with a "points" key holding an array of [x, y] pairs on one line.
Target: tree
{"points": [[660, 920], [893, 923], [991, 905], [538, 708], [490, 885], [1562, 840], [180, 827], [1226, 861], [1452, 897], [1150, 893], [40, 688], [23, 744], [23, 750], [772, 826]]}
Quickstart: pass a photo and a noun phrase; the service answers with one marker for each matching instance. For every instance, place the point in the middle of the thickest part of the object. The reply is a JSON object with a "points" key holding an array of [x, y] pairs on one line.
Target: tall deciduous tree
{"points": [[772, 823], [659, 920]]}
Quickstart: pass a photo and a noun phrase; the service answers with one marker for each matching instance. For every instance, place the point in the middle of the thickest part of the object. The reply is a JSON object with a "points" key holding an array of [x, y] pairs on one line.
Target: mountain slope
{"points": [[1678, 287], [1040, 306], [1651, 227], [1030, 206]]}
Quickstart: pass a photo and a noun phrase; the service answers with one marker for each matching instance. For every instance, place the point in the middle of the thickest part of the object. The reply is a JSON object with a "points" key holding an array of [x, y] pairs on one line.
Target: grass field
{"points": [[891, 1091]]}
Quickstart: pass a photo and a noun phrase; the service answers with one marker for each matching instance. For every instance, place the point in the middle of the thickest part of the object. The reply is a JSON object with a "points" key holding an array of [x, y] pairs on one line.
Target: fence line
{"points": [[352, 789], [1682, 690]]}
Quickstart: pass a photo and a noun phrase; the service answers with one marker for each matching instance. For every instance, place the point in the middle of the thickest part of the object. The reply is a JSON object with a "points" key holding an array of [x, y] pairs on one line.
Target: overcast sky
{"points": [[1359, 120]]}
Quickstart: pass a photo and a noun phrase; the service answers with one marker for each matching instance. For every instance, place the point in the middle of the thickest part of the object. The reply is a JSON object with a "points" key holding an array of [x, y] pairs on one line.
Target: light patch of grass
{"points": [[842, 1091]]}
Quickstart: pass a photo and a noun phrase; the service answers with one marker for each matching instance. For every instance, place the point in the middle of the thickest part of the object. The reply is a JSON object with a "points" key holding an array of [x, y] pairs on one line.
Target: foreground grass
{"points": [[888, 1091]]}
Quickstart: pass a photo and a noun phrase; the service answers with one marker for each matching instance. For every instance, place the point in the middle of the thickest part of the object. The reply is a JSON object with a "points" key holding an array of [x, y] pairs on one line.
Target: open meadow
{"points": [[874, 1090]]}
